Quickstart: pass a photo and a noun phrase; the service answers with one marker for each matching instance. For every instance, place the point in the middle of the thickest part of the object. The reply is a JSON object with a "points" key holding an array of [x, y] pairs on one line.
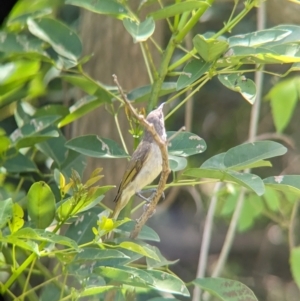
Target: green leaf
{"points": [[146, 232], [26, 245], [209, 49], [34, 132], [215, 162], [71, 207], [250, 181], [239, 83], [21, 20], [259, 38], [250, 153], [283, 99], [97, 254], [292, 36], [140, 249], [50, 292], [6, 212], [191, 72], [185, 144], [80, 109], [140, 32], [142, 93], [28, 6], [272, 199], [177, 163], [106, 7], [280, 54], [247, 180], [225, 289], [62, 39], [19, 163], [124, 274], [4, 144], [42, 235], [162, 299], [97, 147], [260, 163], [295, 264], [54, 148], [51, 109], [12, 92], [18, 72], [41, 204], [91, 291], [168, 283], [74, 161], [81, 230], [285, 183], [89, 86], [151, 263], [252, 208], [12, 43], [177, 9]]}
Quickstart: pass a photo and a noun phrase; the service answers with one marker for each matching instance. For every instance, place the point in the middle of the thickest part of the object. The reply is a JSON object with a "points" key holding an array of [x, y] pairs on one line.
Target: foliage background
{"points": [[260, 253]]}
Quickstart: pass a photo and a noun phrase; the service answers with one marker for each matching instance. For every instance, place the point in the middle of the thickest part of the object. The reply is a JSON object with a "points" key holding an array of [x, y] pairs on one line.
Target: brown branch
{"points": [[165, 163]]}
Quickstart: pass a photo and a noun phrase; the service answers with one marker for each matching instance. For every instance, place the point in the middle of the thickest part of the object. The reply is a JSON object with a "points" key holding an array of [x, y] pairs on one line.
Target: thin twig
{"points": [[182, 129], [230, 234], [292, 225], [202, 262], [165, 163]]}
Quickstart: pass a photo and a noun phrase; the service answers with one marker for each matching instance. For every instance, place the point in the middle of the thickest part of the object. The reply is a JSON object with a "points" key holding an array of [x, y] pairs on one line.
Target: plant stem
{"points": [[206, 240], [168, 53], [120, 132], [27, 262], [146, 60], [230, 235], [292, 225], [204, 79], [228, 26]]}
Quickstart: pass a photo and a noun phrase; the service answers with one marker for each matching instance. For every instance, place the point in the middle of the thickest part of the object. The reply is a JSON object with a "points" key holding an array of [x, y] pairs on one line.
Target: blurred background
{"points": [[260, 254]]}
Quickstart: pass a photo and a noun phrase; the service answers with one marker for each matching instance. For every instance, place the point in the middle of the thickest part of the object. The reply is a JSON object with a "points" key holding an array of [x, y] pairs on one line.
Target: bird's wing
{"points": [[139, 157]]}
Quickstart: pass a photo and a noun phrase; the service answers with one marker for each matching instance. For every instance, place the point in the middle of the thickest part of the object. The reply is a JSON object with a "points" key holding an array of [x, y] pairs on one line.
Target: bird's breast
{"points": [[150, 170]]}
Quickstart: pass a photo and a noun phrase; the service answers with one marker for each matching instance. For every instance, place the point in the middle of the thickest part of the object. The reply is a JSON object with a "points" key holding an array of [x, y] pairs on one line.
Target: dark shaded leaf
{"points": [[62, 39], [19, 163], [192, 71], [6, 212]]}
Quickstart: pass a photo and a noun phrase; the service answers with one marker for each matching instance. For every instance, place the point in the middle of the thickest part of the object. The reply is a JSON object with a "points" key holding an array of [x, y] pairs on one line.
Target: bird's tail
{"points": [[121, 201]]}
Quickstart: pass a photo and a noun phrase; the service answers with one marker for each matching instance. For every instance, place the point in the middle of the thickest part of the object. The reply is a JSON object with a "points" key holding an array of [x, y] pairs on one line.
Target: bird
{"points": [[145, 163]]}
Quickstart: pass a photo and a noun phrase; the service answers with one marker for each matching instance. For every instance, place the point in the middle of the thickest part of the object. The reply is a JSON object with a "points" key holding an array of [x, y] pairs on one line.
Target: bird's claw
{"points": [[149, 199]]}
